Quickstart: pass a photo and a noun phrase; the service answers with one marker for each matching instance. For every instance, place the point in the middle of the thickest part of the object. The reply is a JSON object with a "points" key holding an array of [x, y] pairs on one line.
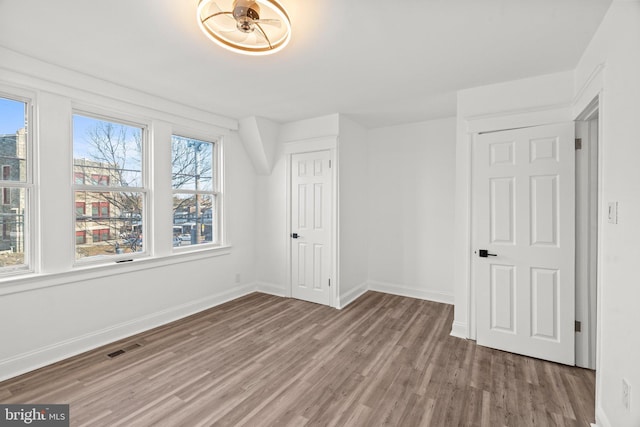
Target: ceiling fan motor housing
{"points": [[243, 9]]}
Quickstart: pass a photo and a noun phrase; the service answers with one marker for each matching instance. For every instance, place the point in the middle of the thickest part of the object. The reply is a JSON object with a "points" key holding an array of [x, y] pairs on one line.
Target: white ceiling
{"points": [[380, 62]]}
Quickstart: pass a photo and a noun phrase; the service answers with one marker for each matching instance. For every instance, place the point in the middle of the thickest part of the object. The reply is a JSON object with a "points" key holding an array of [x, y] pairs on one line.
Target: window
{"points": [[99, 209], [16, 184], [80, 209], [81, 237], [101, 235], [197, 198], [100, 179], [108, 171]]}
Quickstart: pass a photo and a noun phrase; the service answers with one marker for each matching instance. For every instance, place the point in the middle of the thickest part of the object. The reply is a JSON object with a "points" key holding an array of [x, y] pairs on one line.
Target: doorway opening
{"points": [[587, 202]]}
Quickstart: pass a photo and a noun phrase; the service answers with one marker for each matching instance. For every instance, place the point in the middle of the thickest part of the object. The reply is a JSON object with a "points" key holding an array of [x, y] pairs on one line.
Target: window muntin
{"points": [[15, 185], [108, 160], [196, 192]]}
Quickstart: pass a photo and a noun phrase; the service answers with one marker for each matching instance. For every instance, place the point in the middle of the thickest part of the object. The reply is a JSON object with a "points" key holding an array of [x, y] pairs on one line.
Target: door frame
{"points": [[588, 98], [330, 144], [589, 177], [476, 126]]}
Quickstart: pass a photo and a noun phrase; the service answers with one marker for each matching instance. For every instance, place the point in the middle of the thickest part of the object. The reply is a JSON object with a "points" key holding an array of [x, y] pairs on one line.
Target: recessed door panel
{"points": [[317, 206], [544, 210], [503, 298], [302, 168], [544, 303], [302, 264], [502, 153], [317, 266], [502, 210], [302, 206], [544, 149]]}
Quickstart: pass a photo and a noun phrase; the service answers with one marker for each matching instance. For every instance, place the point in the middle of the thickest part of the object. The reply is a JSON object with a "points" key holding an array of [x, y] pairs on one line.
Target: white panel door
{"points": [[524, 205], [311, 195]]}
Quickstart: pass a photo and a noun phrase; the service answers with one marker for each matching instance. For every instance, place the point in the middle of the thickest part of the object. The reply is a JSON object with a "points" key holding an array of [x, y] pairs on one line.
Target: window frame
{"points": [[28, 185], [219, 239], [96, 187]]}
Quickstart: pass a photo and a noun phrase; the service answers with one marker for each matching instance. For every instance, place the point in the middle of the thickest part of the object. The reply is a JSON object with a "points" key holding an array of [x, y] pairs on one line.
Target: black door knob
{"points": [[483, 253], [295, 235]]}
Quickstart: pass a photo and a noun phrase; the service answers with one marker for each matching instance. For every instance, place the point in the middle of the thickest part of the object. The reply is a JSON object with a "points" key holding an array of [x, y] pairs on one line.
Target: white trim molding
{"points": [[29, 72], [520, 118], [29, 361], [31, 282], [405, 291], [591, 88], [352, 295], [271, 289], [601, 418], [459, 330]]}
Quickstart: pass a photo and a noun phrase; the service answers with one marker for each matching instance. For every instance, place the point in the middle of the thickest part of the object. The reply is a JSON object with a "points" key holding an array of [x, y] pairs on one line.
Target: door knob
{"points": [[295, 235], [483, 253]]}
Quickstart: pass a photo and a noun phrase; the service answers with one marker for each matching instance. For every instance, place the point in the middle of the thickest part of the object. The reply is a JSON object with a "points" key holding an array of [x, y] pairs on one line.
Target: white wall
{"points": [[271, 229], [65, 310], [353, 209], [411, 204], [616, 45], [396, 201]]}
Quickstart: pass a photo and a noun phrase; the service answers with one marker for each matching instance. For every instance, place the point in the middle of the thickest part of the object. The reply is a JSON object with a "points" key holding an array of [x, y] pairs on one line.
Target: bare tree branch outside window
{"points": [[108, 158]]}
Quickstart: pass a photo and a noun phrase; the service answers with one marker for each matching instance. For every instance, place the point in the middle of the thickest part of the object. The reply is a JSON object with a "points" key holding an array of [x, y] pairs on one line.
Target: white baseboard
{"points": [[270, 288], [353, 295], [29, 361], [395, 289], [601, 418], [459, 330]]}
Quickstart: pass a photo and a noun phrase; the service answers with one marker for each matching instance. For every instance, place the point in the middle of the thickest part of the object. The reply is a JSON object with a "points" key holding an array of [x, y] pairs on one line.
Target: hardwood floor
{"points": [[262, 360]]}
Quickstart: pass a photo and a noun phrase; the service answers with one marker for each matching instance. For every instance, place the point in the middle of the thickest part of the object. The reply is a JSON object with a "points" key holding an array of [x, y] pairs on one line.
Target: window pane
{"points": [[114, 226], [193, 219], [13, 140], [12, 231], [192, 162], [106, 153]]}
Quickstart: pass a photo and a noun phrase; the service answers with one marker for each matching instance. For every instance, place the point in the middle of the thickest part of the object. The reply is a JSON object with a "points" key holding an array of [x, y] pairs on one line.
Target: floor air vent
{"points": [[124, 350], [116, 353]]}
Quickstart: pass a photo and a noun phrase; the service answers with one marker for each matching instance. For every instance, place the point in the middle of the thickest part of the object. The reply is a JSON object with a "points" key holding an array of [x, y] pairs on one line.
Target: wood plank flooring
{"points": [[262, 360]]}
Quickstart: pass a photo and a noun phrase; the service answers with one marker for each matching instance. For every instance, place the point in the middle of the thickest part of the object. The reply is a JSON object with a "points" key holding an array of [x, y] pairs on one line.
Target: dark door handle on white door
{"points": [[483, 253]]}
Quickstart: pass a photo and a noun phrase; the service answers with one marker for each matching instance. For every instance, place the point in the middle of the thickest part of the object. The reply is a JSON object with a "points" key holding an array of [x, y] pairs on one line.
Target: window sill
{"points": [[33, 281]]}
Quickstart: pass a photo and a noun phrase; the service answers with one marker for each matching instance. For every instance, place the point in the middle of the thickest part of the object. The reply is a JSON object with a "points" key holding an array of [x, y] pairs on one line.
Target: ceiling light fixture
{"points": [[250, 27]]}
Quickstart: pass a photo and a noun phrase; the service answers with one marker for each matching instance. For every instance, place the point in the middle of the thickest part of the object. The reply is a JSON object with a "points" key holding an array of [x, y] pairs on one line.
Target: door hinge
{"points": [[329, 282], [578, 326], [329, 164], [578, 143]]}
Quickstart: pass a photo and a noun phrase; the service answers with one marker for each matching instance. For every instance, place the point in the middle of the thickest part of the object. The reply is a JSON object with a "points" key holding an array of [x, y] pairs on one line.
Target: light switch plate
{"points": [[613, 213]]}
